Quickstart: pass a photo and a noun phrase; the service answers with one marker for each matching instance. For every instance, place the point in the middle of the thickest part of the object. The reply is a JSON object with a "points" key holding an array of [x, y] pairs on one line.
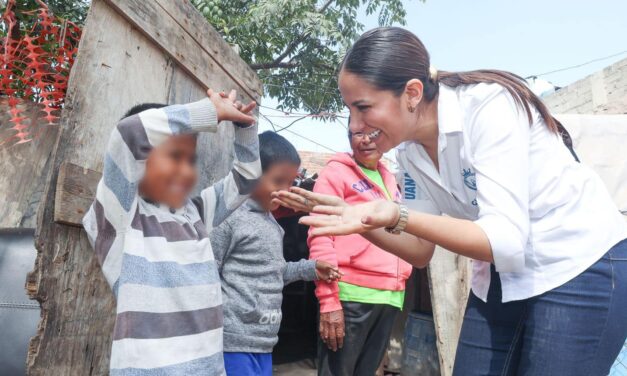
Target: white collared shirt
{"points": [[547, 217]]}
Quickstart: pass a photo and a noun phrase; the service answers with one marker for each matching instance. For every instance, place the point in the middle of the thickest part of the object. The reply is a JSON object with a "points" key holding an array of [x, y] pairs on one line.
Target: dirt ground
{"points": [[301, 368]]}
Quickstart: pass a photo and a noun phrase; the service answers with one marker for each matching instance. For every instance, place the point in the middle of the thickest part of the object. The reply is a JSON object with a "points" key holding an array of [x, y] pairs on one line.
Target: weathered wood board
{"points": [[75, 191], [449, 282], [120, 64], [23, 166]]}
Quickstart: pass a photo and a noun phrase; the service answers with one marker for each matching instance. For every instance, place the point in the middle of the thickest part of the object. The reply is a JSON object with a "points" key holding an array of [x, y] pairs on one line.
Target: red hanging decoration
{"points": [[36, 56]]}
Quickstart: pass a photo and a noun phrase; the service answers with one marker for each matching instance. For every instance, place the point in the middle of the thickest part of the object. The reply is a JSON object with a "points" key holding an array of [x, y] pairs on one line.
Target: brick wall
{"points": [[604, 92], [312, 161]]}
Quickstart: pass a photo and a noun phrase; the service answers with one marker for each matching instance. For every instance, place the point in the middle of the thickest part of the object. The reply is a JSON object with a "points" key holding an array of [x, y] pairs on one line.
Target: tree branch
{"points": [[277, 63], [325, 6], [273, 64]]}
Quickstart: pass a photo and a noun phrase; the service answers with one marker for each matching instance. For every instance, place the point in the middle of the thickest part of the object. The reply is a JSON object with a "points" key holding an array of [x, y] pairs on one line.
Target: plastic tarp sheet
{"points": [[600, 141]]}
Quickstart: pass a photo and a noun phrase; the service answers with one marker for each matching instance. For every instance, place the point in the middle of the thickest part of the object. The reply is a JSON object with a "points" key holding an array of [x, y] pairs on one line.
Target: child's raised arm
{"points": [[218, 201], [124, 165]]}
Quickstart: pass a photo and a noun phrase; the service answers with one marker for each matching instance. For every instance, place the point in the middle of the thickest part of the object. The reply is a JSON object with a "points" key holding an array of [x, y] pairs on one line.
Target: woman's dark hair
{"points": [[274, 148], [388, 57]]}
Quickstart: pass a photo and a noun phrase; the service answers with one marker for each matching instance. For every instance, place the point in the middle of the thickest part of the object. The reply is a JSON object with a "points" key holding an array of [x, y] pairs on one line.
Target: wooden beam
{"points": [[188, 39], [449, 284], [76, 188], [211, 42]]}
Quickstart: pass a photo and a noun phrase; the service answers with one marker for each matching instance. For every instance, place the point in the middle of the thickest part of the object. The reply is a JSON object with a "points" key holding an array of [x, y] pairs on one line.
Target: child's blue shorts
{"points": [[248, 364]]}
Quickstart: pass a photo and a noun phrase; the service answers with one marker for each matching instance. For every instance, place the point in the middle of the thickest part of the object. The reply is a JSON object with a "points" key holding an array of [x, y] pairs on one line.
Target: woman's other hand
{"points": [[356, 219], [327, 272], [301, 200], [332, 329]]}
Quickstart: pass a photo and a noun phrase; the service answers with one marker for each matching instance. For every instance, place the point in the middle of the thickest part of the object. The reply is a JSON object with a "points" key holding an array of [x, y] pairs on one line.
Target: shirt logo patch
{"points": [[469, 179]]}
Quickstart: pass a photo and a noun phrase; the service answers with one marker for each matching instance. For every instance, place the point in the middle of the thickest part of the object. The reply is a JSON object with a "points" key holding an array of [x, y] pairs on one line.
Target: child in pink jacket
{"points": [[357, 313]]}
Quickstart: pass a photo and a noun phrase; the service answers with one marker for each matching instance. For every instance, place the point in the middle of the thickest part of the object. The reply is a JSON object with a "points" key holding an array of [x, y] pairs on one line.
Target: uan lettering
{"points": [[409, 187]]}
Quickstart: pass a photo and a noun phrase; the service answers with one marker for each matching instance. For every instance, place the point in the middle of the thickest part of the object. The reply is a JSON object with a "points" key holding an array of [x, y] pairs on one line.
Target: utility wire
{"points": [[577, 66], [290, 124], [312, 88], [284, 112], [325, 89], [295, 134], [300, 116], [310, 140], [269, 121]]}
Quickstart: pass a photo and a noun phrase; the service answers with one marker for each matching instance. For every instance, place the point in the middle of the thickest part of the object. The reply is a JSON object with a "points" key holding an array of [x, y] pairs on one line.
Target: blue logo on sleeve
{"points": [[469, 179], [409, 185]]}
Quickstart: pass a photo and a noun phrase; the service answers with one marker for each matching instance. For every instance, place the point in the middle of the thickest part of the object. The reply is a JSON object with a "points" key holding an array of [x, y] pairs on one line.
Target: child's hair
{"points": [[274, 148], [142, 107]]}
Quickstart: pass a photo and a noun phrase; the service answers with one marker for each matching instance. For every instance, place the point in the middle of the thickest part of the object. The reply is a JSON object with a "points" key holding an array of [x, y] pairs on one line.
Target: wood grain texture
{"points": [[75, 191], [212, 43], [179, 30], [22, 176], [117, 67], [449, 283]]}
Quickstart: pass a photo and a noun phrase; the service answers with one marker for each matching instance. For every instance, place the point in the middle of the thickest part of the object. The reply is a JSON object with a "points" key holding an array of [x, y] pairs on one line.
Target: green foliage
{"points": [[72, 10], [296, 45]]}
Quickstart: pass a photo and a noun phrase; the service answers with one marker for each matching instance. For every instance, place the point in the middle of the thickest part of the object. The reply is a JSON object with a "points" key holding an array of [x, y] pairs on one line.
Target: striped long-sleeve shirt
{"points": [[158, 260]]}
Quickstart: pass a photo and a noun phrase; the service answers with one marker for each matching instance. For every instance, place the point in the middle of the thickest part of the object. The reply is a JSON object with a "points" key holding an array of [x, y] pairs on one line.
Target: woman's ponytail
{"points": [[388, 57], [514, 84]]}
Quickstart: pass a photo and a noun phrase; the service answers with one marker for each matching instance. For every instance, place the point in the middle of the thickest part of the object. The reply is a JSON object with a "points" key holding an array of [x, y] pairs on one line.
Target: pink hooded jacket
{"points": [[362, 263]]}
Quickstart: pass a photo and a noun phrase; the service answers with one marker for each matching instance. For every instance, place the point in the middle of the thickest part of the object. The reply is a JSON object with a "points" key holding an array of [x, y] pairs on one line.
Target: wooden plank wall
{"points": [[132, 51]]}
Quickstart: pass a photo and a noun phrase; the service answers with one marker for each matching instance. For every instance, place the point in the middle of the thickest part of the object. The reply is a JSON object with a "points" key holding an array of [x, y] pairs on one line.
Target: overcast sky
{"points": [[527, 37]]}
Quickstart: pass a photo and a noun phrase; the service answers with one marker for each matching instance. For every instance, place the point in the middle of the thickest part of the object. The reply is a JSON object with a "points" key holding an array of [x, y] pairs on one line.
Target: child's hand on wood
{"points": [[230, 109], [327, 272]]}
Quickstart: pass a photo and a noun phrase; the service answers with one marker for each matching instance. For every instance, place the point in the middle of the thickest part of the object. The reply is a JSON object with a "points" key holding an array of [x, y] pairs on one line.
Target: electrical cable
{"points": [[576, 66]]}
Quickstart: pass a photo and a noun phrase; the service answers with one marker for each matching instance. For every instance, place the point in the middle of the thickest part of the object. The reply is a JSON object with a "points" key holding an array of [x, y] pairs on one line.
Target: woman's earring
{"points": [[411, 108]]}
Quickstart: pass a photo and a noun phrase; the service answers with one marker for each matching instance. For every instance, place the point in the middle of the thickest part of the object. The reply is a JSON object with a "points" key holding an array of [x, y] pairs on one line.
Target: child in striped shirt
{"points": [[151, 238]]}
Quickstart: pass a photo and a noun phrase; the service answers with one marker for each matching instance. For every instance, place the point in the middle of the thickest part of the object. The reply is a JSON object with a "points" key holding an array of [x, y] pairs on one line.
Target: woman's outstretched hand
{"points": [[333, 216], [356, 219], [301, 200]]}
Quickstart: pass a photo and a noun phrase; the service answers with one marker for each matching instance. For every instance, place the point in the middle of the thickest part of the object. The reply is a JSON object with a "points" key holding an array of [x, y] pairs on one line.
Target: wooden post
{"points": [[449, 283], [131, 52]]}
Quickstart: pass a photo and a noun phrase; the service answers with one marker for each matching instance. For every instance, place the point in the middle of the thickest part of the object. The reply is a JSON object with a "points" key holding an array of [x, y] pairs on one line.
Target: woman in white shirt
{"points": [[494, 182]]}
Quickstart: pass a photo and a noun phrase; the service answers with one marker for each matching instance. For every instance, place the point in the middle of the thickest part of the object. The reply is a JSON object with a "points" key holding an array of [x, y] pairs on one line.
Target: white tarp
{"points": [[600, 141]]}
